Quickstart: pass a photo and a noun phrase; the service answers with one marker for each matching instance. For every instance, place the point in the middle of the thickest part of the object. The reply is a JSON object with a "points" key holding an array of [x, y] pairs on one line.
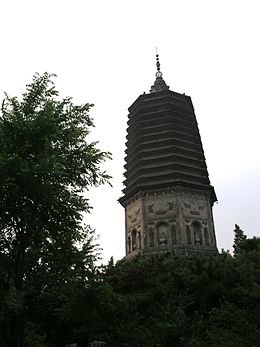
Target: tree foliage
{"points": [[46, 165], [239, 238], [189, 300], [165, 300]]}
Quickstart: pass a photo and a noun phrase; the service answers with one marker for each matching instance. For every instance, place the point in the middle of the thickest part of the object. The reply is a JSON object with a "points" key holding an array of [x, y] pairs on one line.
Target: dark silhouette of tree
{"points": [[46, 164], [239, 237]]}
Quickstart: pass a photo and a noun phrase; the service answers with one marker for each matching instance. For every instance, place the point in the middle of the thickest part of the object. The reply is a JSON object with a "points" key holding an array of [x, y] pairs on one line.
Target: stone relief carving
{"points": [[161, 208], [168, 221], [162, 230], [133, 215], [194, 207]]}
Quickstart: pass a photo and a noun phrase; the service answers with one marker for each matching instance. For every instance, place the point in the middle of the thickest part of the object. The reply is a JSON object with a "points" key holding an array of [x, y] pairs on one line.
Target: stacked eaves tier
{"points": [[163, 145]]}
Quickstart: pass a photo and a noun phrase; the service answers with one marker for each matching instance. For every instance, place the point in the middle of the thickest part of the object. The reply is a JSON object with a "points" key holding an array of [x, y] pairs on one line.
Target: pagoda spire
{"points": [[158, 65], [159, 83]]}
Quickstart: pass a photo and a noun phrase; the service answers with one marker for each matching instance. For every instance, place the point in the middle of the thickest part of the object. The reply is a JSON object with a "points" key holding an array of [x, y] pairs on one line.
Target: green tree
{"points": [[46, 165], [238, 239], [174, 300]]}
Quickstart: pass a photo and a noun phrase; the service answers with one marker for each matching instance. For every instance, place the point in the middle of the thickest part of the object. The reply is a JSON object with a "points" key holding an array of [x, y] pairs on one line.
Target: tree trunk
{"points": [[14, 328], [14, 300]]}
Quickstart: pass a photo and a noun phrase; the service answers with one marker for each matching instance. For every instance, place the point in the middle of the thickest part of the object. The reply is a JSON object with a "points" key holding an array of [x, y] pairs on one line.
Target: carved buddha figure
{"points": [[162, 233]]}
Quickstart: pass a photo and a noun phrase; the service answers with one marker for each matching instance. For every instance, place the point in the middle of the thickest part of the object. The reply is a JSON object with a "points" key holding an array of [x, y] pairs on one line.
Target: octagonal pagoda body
{"points": [[168, 197]]}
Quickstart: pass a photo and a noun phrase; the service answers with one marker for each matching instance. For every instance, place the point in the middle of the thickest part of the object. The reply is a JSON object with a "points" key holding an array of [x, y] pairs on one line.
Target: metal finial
{"points": [[159, 84], [158, 73], [157, 62]]}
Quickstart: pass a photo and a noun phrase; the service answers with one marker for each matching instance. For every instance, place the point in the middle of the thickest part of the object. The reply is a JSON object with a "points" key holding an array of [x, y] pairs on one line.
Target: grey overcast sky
{"points": [[104, 53]]}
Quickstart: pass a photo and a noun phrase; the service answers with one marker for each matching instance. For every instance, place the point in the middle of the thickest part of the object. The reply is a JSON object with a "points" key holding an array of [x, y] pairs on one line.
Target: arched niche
{"points": [[151, 237], [134, 240], [129, 244], [139, 241], [162, 233], [173, 234], [188, 234], [206, 236], [196, 228]]}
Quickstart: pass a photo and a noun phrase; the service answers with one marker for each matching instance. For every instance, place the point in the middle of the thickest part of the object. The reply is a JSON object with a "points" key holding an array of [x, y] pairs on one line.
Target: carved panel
{"points": [[195, 206], [133, 215], [160, 208], [160, 205], [169, 221]]}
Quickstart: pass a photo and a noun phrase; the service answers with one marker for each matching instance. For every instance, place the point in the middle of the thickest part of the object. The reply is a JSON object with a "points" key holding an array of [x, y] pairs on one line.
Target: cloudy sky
{"points": [[104, 53]]}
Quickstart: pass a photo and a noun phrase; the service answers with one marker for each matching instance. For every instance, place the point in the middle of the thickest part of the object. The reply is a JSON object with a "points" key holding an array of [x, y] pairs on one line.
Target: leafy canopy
{"points": [[46, 166], [45, 162], [239, 238]]}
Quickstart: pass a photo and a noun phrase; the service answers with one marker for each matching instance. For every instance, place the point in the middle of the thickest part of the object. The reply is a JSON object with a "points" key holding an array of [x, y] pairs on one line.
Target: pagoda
{"points": [[168, 197]]}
